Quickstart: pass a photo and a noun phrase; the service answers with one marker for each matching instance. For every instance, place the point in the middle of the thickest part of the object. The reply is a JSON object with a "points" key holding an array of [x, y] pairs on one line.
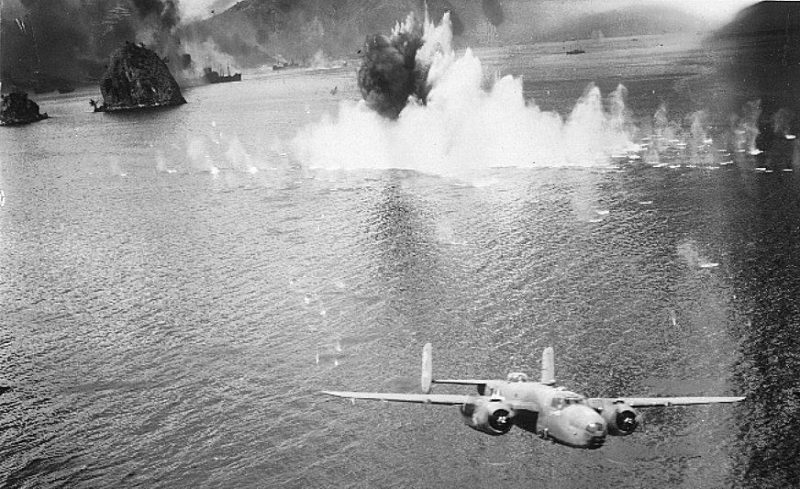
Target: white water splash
{"points": [[238, 158], [747, 130], [464, 128]]}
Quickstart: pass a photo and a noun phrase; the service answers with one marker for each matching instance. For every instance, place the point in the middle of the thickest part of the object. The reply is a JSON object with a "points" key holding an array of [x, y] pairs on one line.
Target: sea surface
{"points": [[177, 286]]}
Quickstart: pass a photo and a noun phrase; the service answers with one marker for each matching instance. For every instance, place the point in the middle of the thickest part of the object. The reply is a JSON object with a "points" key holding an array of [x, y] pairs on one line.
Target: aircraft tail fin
{"points": [[427, 368], [548, 367]]}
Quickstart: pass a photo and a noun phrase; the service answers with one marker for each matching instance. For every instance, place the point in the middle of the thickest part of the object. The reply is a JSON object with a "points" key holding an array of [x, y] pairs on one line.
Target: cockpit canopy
{"points": [[566, 398], [517, 377]]}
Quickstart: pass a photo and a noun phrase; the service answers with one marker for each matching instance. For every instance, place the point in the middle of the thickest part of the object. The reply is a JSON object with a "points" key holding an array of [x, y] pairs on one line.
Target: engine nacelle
{"points": [[491, 417], [619, 417]]}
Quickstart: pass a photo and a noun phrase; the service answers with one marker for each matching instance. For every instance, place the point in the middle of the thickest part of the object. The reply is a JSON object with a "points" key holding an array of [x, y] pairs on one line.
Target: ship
{"points": [[212, 76], [282, 65]]}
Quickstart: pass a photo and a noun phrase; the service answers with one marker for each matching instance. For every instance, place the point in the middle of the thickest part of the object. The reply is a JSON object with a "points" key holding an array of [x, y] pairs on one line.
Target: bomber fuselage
{"points": [[551, 412]]}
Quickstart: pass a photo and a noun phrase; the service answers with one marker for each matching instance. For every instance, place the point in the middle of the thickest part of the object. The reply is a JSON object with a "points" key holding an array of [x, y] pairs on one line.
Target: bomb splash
{"points": [[460, 127]]}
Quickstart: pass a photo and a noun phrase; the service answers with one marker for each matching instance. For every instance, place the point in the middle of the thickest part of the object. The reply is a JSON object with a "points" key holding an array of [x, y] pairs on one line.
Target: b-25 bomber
{"points": [[551, 412]]}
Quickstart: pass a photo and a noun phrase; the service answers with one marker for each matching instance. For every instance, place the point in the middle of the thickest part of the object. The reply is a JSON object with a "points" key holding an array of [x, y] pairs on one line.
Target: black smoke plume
{"points": [[49, 35], [47, 44], [493, 11], [161, 17], [166, 12], [389, 73], [436, 10]]}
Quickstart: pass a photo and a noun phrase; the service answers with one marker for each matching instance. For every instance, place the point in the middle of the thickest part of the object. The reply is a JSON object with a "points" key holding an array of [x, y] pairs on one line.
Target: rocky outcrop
{"points": [[17, 108], [136, 78]]}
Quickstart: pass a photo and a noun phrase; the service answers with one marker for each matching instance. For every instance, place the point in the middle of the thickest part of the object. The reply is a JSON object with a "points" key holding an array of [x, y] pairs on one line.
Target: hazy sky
{"points": [[715, 11]]}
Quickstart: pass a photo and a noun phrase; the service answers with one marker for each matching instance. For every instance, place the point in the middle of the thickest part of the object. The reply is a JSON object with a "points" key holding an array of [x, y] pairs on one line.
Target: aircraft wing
{"points": [[444, 399], [462, 381], [674, 401]]}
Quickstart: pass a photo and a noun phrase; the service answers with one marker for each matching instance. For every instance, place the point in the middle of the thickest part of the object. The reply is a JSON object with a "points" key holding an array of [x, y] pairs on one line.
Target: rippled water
{"points": [[177, 287]]}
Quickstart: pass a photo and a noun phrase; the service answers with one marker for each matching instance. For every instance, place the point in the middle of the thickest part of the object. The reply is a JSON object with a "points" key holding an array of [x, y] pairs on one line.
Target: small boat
{"points": [[285, 65]]}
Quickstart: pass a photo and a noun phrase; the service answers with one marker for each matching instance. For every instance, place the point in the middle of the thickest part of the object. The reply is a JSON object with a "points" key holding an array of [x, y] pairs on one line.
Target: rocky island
{"points": [[136, 78], [17, 109]]}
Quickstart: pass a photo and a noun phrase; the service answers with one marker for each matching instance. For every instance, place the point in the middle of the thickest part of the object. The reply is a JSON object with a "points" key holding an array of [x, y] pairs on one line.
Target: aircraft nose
{"points": [[597, 434], [587, 428], [595, 428]]}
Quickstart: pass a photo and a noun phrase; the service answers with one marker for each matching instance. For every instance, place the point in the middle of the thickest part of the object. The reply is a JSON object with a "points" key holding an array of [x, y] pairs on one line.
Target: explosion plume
{"points": [[493, 11], [441, 117], [390, 72]]}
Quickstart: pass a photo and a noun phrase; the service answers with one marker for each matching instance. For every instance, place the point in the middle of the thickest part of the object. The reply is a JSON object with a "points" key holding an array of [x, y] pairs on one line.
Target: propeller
{"points": [[500, 420], [626, 421]]}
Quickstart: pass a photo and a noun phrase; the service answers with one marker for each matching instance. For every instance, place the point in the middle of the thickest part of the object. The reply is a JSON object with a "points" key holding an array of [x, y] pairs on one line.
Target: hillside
{"points": [[631, 21], [765, 39], [61, 43], [255, 32], [763, 18], [764, 61]]}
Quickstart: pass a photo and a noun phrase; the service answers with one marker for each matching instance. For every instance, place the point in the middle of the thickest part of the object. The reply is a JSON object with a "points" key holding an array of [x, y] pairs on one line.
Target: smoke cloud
{"points": [[463, 128], [52, 43], [493, 11], [390, 72], [437, 8], [166, 12]]}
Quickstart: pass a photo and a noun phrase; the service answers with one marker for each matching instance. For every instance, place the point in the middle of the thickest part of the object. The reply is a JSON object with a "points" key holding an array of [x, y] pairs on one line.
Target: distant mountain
{"points": [[255, 32], [763, 18], [265, 31], [764, 39], [763, 63], [58, 44], [630, 21], [62, 43]]}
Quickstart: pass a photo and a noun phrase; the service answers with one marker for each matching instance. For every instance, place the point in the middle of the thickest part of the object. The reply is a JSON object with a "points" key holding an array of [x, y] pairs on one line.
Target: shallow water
{"points": [[178, 285]]}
